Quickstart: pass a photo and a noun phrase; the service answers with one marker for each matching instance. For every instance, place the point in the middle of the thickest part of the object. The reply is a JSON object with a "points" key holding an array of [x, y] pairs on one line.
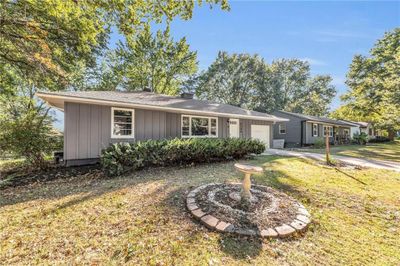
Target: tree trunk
{"points": [[392, 134]]}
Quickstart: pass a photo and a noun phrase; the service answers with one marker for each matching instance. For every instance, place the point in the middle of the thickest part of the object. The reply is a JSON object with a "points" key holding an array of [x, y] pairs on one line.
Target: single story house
{"points": [[303, 130], [363, 127], [95, 119], [354, 129], [368, 129]]}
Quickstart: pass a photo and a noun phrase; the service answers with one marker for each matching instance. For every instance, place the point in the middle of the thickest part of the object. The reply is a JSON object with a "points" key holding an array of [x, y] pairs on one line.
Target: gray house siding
{"points": [[245, 128], [173, 128], [88, 129], [309, 138], [293, 130]]}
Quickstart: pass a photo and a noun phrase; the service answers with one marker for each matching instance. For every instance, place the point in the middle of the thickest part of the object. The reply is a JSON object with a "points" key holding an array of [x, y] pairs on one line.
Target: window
{"points": [[122, 125], [328, 129], [199, 126], [315, 130], [282, 128], [346, 132]]}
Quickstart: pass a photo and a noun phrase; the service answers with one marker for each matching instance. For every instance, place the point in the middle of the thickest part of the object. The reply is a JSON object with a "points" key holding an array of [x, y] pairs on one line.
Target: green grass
{"points": [[381, 151], [9, 164], [141, 219]]}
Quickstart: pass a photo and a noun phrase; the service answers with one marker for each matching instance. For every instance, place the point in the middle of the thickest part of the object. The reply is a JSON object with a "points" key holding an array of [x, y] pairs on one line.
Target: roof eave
{"points": [[49, 97]]}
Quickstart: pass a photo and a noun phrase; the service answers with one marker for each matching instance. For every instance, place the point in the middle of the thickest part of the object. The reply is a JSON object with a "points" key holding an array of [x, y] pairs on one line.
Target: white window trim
{"points": [[280, 130], [315, 135], [132, 136], [190, 126]]}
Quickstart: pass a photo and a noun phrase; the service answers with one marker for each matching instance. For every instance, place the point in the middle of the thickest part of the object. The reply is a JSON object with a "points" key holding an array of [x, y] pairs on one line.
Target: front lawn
{"points": [[141, 218], [389, 151]]}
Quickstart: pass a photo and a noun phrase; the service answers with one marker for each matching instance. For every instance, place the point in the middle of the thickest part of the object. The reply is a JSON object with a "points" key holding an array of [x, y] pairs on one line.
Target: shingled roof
{"points": [[319, 119], [148, 100]]}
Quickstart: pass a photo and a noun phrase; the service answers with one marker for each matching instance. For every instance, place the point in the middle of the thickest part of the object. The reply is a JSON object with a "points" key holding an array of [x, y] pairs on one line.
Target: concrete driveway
{"points": [[380, 164]]}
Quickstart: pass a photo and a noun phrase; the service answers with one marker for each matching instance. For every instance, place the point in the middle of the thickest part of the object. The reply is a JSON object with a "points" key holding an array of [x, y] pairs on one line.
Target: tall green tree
{"points": [[232, 79], [248, 81], [26, 126], [58, 44], [315, 98], [374, 85], [155, 61], [44, 39]]}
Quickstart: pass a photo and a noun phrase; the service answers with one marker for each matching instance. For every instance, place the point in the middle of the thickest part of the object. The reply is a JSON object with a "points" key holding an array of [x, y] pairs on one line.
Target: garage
{"points": [[262, 133]]}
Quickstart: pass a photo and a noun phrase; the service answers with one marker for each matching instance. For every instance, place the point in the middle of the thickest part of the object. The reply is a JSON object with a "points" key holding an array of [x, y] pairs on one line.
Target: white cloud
{"points": [[341, 34], [314, 62]]}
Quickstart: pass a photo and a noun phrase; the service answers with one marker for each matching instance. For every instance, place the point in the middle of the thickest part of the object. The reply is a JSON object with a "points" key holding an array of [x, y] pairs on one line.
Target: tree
{"points": [[247, 81], [315, 98], [232, 79], [374, 85], [288, 79], [155, 62], [58, 44], [44, 39], [26, 127]]}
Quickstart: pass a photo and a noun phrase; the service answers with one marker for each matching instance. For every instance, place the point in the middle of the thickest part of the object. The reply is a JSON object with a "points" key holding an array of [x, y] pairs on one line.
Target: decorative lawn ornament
{"points": [[245, 194]]}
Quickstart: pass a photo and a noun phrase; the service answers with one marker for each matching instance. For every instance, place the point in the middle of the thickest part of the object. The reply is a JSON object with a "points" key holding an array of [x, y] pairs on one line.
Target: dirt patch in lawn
{"points": [[26, 176]]}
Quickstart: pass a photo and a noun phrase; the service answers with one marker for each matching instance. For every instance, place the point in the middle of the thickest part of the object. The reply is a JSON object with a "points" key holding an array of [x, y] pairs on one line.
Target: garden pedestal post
{"points": [[245, 195]]}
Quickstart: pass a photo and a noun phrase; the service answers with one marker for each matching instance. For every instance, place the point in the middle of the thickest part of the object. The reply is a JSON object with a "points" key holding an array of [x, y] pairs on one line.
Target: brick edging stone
{"points": [[299, 223]]}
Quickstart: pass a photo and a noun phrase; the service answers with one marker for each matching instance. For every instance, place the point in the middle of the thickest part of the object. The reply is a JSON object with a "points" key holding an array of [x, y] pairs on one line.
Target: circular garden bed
{"points": [[269, 213]]}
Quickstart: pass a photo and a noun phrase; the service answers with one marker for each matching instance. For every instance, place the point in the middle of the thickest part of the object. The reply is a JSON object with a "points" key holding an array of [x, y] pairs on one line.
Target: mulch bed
{"points": [[272, 208], [25, 176]]}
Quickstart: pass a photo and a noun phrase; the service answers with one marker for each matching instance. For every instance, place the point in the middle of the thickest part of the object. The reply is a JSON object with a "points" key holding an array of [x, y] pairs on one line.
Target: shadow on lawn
{"points": [[81, 188], [236, 246]]}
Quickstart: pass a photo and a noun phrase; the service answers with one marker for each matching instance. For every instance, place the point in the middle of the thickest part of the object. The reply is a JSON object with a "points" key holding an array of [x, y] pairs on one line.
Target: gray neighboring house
{"points": [[303, 130], [95, 119]]}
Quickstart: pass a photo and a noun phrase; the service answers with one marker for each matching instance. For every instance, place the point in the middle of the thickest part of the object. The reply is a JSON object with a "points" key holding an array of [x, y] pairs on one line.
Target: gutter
{"points": [[46, 96]]}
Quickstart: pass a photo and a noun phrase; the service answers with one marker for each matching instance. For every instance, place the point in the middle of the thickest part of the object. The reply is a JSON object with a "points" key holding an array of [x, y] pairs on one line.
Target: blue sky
{"points": [[326, 33]]}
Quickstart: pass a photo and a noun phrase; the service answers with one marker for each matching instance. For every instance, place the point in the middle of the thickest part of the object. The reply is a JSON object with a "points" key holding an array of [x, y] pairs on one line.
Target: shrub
{"points": [[319, 143], [360, 138], [379, 139], [122, 157]]}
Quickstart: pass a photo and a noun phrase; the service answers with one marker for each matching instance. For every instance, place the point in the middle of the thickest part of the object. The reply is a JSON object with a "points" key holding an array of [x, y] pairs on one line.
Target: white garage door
{"points": [[261, 132]]}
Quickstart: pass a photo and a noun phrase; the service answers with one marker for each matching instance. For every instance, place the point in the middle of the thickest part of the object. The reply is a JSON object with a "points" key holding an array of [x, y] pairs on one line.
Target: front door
{"points": [[261, 132], [233, 128]]}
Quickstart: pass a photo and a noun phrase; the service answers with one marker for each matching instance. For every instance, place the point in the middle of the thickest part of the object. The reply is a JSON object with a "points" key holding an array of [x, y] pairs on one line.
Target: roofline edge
{"points": [[44, 95]]}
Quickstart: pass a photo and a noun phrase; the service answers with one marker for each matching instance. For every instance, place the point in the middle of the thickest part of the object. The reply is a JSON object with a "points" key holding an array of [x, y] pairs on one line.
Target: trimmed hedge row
{"points": [[122, 157]]}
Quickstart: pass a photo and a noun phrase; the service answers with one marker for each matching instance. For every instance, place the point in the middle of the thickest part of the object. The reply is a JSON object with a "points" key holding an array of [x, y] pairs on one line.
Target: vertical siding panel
{"points": [[83, 131], [169, 125], [105, 126], [139, 124], [71, 130], [95, 139], [163, 117], [147, 125], [220, 133], [156, 125]]}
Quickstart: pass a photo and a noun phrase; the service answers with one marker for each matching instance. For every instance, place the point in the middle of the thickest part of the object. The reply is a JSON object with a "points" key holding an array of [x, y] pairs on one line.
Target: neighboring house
{"points": [[354, 129], [95, 119], [303, 130], [368, 129]]}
